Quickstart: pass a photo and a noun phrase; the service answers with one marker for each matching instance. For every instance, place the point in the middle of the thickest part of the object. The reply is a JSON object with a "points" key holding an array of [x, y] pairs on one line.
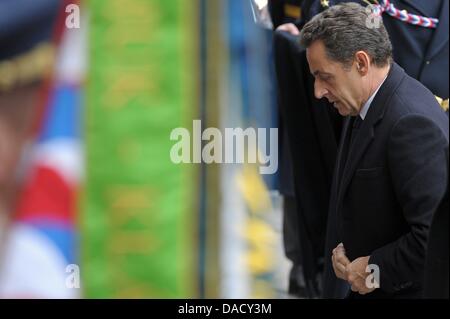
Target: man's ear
{"points": [[362, 61]]}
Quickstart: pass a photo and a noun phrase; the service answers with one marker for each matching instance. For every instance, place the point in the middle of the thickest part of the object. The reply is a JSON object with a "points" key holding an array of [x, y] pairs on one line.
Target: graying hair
{"points": [[344, 30]]}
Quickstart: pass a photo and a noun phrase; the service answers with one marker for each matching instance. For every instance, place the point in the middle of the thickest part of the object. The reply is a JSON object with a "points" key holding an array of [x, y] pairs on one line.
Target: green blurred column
{"points": [[138, 212]]}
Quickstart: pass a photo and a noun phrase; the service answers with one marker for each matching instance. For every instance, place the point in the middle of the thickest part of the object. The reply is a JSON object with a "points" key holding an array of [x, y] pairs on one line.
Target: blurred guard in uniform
{"points": [[26, 58]]}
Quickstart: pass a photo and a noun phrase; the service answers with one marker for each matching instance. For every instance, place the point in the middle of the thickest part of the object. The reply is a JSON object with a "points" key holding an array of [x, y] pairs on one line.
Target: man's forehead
{"points": [[319, 66], [317, 47], [316, 54], [318, 61]]}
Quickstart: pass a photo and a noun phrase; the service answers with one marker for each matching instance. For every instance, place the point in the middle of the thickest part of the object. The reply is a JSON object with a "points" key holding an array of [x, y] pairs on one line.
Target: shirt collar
{"points": [[366, 106]]}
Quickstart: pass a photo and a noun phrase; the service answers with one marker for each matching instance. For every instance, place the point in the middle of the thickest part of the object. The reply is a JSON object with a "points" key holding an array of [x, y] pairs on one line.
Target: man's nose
{"points": [[319, 90]]}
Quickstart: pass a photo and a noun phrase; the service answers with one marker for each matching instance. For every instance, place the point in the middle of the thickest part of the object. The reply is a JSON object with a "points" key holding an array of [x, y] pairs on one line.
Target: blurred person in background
{"points": [[35, 202], [284, 15], [26, 58], [308, 142]]}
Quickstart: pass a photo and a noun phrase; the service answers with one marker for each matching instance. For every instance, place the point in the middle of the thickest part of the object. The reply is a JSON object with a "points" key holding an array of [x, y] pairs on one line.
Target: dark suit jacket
{"points": [[385, 194], [436, 266]]}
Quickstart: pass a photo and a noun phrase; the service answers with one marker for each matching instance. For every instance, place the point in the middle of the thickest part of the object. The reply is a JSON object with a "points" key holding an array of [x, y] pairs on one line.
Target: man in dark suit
{"points": [[391, 171], [423, 53], [312, 126]]}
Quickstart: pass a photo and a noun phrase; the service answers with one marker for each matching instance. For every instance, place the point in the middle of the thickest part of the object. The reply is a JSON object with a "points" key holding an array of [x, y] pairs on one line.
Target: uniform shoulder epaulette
{"points": [[292, 11], [27, 68]]}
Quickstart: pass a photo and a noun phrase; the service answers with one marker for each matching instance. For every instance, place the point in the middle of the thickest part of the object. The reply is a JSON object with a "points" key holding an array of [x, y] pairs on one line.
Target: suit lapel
{"points": [[367, 130], [362, 141]]}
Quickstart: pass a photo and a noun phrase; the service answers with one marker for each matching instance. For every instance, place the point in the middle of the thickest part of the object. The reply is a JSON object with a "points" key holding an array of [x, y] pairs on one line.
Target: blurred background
{"points": [[91, 204]]}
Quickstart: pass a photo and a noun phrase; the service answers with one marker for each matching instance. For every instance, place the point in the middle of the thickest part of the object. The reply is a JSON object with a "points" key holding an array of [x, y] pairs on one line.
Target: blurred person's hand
{"points": [[289, 27]]}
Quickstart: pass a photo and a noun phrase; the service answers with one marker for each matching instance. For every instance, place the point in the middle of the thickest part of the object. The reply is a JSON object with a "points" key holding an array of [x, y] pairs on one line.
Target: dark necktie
{"points": [[355, 129], [355, 122]]}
